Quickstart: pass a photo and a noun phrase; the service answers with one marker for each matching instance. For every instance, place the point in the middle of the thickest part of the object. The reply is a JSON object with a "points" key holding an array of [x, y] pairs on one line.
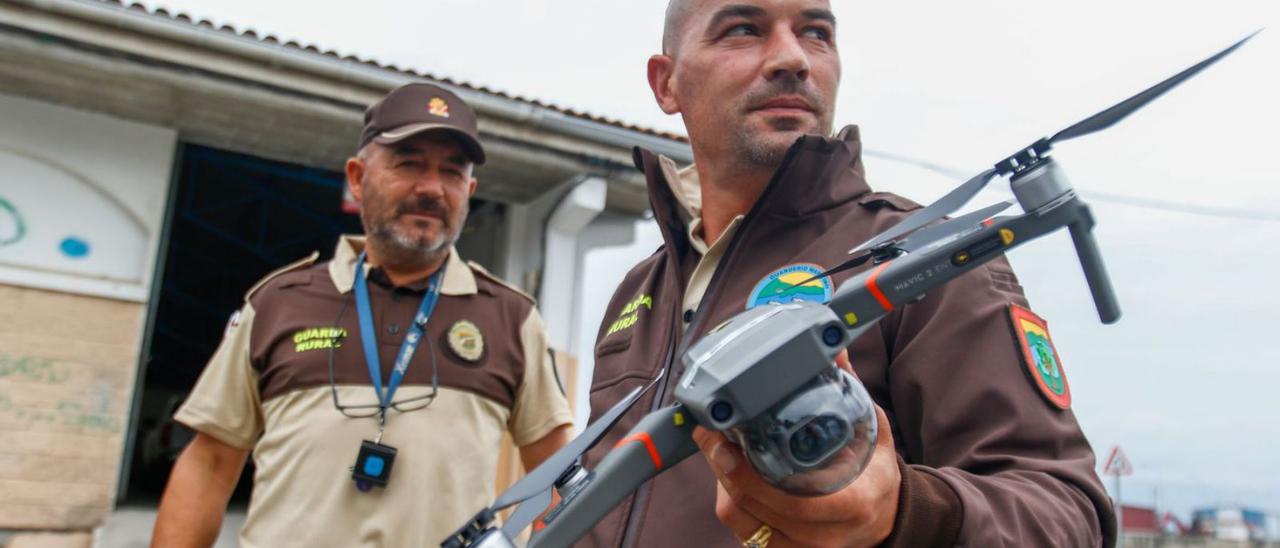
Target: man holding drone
{"points": [[977, 442]]}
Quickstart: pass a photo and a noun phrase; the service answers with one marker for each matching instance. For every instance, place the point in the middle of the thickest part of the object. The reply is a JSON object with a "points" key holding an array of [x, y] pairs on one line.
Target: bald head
{"points": [[673, 27]]}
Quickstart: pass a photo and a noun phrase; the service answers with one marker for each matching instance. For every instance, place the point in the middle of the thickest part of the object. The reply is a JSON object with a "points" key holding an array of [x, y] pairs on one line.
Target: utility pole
{"points": [[1118, 465]]}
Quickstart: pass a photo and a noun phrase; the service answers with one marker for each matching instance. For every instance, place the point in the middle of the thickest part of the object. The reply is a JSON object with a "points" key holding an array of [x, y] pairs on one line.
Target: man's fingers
{"points": [[884, 433], [742, 523], [723, 456], [842, 361], [745, 524]]}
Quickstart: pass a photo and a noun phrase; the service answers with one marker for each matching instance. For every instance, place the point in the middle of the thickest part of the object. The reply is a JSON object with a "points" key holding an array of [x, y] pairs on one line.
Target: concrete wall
{"points": [[67, 366], [83, 203]]}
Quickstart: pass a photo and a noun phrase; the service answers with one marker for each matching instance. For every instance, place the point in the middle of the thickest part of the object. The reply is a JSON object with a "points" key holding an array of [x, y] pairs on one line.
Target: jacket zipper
{"points": [[679, 339]]}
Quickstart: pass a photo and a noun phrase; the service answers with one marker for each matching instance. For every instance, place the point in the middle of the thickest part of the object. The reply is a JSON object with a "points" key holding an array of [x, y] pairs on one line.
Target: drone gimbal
{"points": [[743, 377]]}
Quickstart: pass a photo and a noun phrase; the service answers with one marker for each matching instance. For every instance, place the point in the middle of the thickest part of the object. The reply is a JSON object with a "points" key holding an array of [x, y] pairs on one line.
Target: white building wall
{"points": [[83, 199]]}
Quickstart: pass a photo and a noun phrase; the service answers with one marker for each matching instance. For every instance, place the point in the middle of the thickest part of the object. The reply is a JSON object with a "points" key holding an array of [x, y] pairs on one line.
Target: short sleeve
{"points": [[225, 402], [540, 405]]}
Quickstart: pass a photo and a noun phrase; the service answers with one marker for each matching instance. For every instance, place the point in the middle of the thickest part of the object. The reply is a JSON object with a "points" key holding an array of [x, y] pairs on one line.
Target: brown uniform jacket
{"points": [[985, 460]]}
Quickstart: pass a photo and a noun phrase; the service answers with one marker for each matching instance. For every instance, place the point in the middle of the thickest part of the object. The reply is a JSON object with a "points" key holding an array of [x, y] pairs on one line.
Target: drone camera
{"points": [[721, 411], [815, 442], [833, 335], [818, 438]]}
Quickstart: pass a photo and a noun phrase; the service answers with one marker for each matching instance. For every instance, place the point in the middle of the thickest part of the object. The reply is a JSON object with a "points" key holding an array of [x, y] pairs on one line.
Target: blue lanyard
{"points": [[369, 338]]}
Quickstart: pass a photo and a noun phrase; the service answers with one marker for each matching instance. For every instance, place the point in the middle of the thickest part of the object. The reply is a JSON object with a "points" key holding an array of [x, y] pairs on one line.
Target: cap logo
{"points": [[438, 107]]}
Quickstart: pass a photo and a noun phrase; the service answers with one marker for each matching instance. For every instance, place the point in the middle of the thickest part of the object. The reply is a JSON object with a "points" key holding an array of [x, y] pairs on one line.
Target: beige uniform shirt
{"points": [[684, 184], [268, 388]]}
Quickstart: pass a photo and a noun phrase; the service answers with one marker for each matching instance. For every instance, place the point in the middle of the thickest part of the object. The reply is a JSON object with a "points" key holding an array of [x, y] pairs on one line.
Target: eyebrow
{"points": [[821, 14], [406, 150], [749, 11], [734, 10]]}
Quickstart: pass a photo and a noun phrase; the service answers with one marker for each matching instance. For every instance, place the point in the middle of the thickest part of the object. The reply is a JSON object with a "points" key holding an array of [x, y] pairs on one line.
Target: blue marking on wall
{"points": [[74, 247]]}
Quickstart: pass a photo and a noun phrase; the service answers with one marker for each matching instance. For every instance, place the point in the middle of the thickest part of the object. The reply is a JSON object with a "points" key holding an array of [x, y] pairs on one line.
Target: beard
{"points": [[767, 148], [411, 248]]}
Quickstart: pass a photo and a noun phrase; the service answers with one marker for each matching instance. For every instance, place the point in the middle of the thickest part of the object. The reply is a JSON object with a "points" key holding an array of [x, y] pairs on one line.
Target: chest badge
{"points": [[780, 287], [466, 341], [1039, 356]]}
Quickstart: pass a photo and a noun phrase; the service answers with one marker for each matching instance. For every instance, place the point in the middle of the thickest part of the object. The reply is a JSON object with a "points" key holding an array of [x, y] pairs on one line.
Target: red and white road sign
{"points": [[1117, 463]]}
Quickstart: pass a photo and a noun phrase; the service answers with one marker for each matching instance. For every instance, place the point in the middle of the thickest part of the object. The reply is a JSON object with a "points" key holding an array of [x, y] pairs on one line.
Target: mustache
{"points": [[422, 206], [757, 98]]}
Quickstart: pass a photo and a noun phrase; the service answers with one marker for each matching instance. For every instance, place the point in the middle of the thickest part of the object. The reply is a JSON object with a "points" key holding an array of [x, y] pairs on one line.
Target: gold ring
{"points": [[760, 539]]}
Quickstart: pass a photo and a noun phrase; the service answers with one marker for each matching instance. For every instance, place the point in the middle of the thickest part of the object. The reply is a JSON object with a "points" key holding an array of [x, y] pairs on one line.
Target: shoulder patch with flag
{"points": [[1039, 357]]}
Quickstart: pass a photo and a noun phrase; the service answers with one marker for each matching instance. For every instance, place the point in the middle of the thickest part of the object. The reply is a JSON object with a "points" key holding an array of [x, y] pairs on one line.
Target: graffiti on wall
{"points": [[82, 407], [12, 226], [54, 218]]}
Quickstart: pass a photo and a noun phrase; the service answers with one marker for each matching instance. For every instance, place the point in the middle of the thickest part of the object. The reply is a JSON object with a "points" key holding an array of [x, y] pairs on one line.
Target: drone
{"points": [[766, 376]]}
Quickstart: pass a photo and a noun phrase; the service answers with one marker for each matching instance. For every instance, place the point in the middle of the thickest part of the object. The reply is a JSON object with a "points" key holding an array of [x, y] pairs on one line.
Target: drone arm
{"points": [[1095, 272], [661, 440], [871, 295]]}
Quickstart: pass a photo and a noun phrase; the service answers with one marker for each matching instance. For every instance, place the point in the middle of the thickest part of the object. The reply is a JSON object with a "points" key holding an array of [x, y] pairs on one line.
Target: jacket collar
{"points": [[458, 278], [817, 173]]}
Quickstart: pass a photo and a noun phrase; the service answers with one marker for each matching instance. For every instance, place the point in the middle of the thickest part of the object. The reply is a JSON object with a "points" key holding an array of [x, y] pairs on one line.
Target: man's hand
{"points": [[861, 514]]}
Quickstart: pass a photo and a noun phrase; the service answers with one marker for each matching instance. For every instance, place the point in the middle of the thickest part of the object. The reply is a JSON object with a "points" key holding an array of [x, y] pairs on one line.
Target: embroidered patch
{"points": [[1039, 356], [438, 107], [780, 286], [630, 314], [466, 341], [318, 338]]}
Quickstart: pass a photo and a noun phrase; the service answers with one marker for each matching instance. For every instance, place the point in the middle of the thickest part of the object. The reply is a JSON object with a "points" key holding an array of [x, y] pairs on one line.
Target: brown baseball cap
{"points": [[414, 108]]}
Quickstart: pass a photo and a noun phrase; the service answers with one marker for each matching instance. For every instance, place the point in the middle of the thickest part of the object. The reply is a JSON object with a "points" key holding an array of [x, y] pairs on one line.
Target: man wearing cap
{"points": [[373, 389]]}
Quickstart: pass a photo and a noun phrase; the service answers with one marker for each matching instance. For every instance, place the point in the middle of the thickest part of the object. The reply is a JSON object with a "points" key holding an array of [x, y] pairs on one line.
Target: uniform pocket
{"points": [[612, 346]]}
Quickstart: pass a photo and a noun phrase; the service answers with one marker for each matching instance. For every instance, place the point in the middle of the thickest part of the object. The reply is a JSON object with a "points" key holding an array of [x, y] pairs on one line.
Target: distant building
{"points": [[1233, 523], [1140, 521]]}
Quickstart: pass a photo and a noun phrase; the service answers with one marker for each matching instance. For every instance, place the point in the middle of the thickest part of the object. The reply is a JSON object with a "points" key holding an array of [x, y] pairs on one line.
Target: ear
{"points": [[471, 190], [355, 177], [662, 82]]}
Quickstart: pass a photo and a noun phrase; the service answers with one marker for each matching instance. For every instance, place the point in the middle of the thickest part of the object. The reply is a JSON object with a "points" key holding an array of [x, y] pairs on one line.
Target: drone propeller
{"points": [[528, 511], [1109, 117], [945, 205], [1032, 154], [922, 237], [542, 478], [954, 227]]}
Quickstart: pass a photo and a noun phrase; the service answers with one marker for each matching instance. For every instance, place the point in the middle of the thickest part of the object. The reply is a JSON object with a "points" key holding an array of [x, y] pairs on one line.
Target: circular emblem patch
{"points": [[466, 341], [780, 286]]}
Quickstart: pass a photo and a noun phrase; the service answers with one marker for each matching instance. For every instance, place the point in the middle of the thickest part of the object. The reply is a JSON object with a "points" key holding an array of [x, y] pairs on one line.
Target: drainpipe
{"points": [[562, 264]]}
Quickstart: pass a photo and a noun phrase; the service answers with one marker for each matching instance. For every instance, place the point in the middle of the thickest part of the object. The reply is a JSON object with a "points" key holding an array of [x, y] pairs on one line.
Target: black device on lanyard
{"points": [[374, 459]]}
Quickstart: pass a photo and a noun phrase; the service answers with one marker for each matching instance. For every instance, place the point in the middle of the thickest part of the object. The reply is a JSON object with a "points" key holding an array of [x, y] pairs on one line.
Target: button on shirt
{"points": [[689, 194]]}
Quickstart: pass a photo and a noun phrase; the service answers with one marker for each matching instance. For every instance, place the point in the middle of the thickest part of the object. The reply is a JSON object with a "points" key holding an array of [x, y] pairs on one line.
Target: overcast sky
{"points": [[1187, 381]]}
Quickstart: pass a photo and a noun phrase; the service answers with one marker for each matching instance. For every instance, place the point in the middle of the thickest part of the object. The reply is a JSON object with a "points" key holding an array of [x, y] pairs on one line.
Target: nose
{"points": [[785, 57], [430, 184]]}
